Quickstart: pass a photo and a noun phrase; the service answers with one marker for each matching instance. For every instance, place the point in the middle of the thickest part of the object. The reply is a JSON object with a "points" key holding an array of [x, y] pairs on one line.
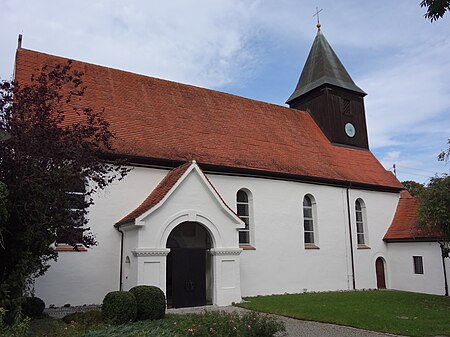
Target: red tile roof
{"points": [[405, 225], [155, 118], [157, 194]]}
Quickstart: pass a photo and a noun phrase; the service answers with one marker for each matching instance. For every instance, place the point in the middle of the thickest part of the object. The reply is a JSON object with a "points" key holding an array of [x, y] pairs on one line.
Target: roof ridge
{"points": [[159, 79]]}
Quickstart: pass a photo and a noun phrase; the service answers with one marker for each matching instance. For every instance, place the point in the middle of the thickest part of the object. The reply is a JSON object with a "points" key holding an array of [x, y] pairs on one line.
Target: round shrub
{"points": [[33, 307], [119, 307], [151, 302]]}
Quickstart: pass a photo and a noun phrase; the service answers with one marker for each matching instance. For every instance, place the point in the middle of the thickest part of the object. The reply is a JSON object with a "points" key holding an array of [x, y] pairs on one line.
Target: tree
{"points": [[3, 211], [434, 214], [413, 187], [435, 8], [434, 210], [435, 207], [445, 155], [53, 147]]}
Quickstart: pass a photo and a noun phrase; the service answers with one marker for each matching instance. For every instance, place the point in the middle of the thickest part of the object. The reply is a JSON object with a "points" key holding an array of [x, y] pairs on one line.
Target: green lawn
{"points": [[397, 312]]}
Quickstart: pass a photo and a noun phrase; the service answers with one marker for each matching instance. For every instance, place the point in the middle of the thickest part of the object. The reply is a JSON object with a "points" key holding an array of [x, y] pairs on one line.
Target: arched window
{"points": [[243, 211], [360, 225], [308, 221]]}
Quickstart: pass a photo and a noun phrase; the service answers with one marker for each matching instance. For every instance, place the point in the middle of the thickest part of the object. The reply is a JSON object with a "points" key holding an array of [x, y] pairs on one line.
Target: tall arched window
{"points": [[360, 225], [308, 221], [243, 211]]}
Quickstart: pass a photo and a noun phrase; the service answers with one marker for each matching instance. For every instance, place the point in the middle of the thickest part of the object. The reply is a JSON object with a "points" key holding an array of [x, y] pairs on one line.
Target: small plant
{"points": [[33, 307], [151, 302], [87, 318], [119, 307], [259, 325], [223, 324], [18, 329], [207, 324]]}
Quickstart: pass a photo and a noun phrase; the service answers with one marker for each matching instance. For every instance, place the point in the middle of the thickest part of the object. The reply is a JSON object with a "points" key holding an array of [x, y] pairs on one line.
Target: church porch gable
{"points": [[191, 199]]}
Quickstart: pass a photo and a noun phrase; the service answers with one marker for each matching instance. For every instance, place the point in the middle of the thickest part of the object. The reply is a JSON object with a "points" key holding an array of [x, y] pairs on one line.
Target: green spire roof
{"points": [[323, 67]]}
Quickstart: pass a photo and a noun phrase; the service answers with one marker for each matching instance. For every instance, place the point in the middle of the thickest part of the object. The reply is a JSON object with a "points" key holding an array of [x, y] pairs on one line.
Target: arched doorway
{"points": [[189, 266], [381, 277]]}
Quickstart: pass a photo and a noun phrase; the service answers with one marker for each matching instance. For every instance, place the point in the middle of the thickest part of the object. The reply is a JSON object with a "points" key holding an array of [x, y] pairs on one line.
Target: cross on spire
{"points": [[317, 14]]}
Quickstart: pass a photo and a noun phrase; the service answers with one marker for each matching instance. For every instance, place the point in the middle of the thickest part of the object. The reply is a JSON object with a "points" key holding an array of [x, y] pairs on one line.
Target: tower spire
{"points": [[323, 67], [326, 90]]}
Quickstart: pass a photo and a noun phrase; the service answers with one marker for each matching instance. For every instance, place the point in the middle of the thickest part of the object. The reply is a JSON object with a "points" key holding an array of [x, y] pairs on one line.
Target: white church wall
{"points": [[401, 267], [96, 272], [129, 272], [380, 208], [280, 263]]}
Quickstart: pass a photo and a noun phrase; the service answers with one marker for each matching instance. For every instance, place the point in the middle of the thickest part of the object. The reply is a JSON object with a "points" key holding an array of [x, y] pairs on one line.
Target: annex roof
{"points": [[405, 225], [323, 67], [159, 119]]}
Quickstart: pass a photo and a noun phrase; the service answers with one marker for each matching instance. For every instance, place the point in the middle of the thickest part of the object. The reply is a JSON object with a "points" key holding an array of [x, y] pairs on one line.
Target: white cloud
{"points": [[201, 42], [406, 92]]}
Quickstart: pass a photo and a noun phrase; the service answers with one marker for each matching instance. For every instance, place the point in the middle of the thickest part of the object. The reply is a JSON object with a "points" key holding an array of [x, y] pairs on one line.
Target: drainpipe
{"points": [[121, 257], [351, 240], [443, 265]]}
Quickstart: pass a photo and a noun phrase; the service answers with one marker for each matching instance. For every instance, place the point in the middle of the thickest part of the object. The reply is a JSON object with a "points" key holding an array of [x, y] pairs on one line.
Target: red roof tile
{"points": [[405, 225], [155, 118], [157, 194]]}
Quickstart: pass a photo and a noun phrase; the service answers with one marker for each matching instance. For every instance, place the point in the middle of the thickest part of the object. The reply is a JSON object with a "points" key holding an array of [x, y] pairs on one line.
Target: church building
{"points": [[230, 197]]}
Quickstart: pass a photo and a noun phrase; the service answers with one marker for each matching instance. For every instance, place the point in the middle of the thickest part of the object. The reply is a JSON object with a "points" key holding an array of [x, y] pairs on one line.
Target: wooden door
{"points": [[188, 277], [381, 278]]}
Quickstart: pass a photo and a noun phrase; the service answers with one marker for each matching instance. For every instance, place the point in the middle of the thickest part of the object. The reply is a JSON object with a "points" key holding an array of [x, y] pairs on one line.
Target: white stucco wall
{"points": [[85, 277], [401, 267], [279, 264], [380, 209]]}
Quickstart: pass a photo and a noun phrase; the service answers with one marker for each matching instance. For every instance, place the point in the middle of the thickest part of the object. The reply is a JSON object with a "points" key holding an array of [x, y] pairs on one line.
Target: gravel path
{"points": [[297, 328]]}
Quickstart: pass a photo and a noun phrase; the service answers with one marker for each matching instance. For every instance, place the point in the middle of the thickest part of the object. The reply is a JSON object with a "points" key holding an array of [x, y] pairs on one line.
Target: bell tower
{"points": [[326, 91]]}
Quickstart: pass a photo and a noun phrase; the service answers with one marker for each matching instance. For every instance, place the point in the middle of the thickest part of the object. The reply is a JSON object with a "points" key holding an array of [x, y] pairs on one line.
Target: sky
{"points": [[256, 49]]}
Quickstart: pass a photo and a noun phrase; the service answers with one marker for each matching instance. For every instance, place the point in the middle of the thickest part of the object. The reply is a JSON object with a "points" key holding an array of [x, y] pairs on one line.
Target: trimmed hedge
{"points": [[33, 307], [151, 302], [119, 307]]}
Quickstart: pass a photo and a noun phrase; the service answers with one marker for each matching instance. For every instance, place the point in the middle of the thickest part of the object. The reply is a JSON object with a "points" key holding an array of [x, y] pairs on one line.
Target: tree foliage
{"points": [[413, 187], [3, 211], [445, 155], [435, 206], [56, 143], [435, 8]]}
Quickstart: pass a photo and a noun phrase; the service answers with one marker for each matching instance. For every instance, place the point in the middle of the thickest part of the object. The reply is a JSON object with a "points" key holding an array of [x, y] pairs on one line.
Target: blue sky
{"points": [[257, 49]]}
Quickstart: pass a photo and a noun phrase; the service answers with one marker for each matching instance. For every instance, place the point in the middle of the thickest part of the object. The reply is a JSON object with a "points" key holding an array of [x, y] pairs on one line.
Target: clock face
{"points": [[350, 130]]}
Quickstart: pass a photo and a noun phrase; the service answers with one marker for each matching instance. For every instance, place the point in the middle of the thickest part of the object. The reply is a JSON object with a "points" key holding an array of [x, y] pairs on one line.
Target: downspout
{"points": [[443, 266], [352, 258], [121, 257]]}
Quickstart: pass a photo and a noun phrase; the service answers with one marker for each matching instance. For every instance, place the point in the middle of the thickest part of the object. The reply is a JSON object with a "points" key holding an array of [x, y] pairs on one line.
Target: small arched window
{"points": [[360, 225], [243, 211], [308, 221]]}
